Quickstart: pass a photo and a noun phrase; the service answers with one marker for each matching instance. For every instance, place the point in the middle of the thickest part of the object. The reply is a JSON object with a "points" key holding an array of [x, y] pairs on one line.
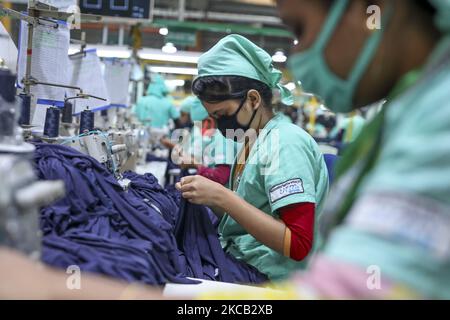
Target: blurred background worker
{"points": [[156, 109], [185, 120], [349, 128], [206, 150], [390, 207]]}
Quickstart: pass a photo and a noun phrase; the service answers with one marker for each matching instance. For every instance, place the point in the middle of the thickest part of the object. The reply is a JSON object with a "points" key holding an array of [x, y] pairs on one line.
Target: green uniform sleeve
{"points": [[289, 175], [174, 112]]}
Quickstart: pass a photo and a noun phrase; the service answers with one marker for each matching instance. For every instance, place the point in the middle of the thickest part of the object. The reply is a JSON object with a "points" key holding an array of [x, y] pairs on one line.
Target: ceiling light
{"points": [[180, 56], [175, 70], [290, 86], [169, 48], [164, 31], [279, 57]]}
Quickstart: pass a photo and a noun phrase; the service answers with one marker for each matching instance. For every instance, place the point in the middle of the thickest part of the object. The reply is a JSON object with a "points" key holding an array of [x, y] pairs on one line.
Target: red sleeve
{"points": [[219, 174], [299, 218]]}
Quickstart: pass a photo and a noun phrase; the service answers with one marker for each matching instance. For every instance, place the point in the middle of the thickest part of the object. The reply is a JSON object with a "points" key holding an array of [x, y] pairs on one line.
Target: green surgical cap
{"points": [[186, 105], [198, 111], [157, 86], [235, 55], [443, 14]]}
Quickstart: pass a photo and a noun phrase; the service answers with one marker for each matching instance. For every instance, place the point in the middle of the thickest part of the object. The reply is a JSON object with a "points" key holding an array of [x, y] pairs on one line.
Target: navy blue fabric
{"points": [[331, 161], [197, 237], [147, 188], [129, 235], [102, 228]]}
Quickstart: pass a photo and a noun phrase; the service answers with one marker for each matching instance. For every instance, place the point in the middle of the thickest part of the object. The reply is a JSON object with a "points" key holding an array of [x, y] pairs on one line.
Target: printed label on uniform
{"points": [[286, 189]]}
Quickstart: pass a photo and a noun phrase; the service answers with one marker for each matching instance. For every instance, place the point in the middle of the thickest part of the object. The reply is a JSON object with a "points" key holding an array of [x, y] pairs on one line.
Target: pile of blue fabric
{"points": [[103, 229], [196, 233], [146, 234]]}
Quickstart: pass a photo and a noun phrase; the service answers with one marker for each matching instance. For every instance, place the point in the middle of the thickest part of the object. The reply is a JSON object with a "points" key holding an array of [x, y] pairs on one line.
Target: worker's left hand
{"points": [[201, 190]]}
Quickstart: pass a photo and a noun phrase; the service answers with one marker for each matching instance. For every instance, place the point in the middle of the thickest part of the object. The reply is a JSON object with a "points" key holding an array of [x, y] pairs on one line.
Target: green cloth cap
{"points": [[235, 55], [187, 104], [157, 87], [198, 111]]}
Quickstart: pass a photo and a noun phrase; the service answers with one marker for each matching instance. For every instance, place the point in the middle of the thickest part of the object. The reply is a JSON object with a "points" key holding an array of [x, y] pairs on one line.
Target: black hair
{"points": [[215, 89]]}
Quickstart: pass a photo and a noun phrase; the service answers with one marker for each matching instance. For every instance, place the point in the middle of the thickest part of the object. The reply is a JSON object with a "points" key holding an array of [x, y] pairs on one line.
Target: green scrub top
{"points": [[155, 109], [211, 151], [401, 220], [284, 117], [285, 167]]}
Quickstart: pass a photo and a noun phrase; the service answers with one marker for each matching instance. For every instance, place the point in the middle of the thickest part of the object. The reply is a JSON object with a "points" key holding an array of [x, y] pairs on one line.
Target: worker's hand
{"points": [[166, 142], [201, 190]]}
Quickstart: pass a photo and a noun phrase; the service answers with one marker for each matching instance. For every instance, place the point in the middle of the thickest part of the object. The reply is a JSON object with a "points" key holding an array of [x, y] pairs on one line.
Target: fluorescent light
{"points": [[174, 83], [164, 31], [145, 54], [290, 86], [295, 42], [105, 51], [279, 57], [175, 70], [169, 48], [180, 56]]}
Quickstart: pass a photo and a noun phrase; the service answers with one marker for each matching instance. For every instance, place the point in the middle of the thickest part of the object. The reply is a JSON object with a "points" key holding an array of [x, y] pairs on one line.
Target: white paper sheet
{"points": [[8, 50], [62, 5], [86, 73], [117, 78], [50, 62]]}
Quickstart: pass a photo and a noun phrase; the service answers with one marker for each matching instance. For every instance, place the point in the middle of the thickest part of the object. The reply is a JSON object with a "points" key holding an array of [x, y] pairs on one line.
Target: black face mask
{"points": [[231, 122]]}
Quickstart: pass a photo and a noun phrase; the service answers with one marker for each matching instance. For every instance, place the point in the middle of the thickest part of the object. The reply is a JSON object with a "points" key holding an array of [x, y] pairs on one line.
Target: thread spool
{"points": [[7, 98], [7, 118], [7, 85], [51, 127], [25, 110], [86, 121], [67, 112]]}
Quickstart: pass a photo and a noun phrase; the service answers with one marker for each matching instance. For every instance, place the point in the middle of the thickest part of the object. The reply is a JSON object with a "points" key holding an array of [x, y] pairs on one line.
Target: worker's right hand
{"points": [[201, 190]]}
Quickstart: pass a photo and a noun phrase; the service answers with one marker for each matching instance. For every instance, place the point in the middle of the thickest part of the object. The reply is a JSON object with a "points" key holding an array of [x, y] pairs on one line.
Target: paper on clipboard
{"points": [[8, 50], [86, 73], [62, 5], [49, 62], [117, 78]]}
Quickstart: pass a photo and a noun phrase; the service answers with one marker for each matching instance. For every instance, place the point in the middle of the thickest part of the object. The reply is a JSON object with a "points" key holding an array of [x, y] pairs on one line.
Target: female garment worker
{"points": [[206, 150], [390, 209], [155, 109], [279, 180]]}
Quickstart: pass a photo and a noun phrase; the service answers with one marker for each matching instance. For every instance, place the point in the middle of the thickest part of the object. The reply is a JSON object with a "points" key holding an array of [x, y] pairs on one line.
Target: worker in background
{"points": [[185, 120], [388, 217], [207, 150], [155, 109], [279, 179], [349, 128]]}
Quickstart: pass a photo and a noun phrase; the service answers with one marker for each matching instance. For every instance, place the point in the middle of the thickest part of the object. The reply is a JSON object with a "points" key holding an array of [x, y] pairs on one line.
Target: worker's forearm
{"points": [[260, 225]]}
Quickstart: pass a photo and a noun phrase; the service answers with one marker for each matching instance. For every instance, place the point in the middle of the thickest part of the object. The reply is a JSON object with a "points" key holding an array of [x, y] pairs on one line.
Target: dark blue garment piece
{"points": [[147, 188], [102, 228], [330, 161], [198, 238]]}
